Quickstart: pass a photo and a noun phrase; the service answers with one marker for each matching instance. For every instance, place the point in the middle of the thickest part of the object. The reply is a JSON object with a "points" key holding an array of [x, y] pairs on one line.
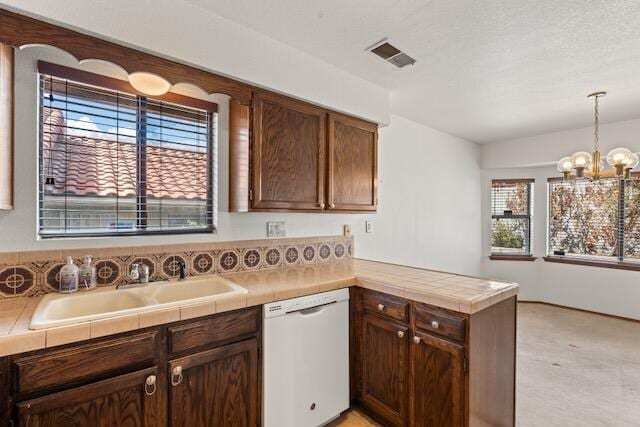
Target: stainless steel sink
{"points": [[58, 310]]}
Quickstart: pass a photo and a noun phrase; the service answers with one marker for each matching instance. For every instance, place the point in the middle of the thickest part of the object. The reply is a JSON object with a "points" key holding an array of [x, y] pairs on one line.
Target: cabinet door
{"points": [[436, 382], [288, 156], [126, 400], [353, 164], [217, 387], [384, 368]]}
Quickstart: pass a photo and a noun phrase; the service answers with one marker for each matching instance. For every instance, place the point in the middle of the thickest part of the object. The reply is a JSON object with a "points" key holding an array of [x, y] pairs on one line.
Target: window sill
{"points": [[512, 257], [594, 263]]}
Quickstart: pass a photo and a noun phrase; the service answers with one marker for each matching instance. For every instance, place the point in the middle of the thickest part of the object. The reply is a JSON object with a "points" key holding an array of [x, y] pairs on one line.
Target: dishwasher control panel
{"points": [[280, 308]]}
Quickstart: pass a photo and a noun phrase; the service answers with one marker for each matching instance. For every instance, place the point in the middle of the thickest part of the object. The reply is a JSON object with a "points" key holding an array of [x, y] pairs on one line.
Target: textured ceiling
{"points": [[486, 70]]}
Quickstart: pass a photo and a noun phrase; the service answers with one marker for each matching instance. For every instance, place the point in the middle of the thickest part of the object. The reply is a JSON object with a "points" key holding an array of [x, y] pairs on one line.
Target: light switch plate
{"points": [[276, 229], [368, 226]]}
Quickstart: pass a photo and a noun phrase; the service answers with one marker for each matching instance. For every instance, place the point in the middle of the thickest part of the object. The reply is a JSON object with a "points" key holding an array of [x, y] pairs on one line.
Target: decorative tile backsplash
{"points": [[36, 273]]}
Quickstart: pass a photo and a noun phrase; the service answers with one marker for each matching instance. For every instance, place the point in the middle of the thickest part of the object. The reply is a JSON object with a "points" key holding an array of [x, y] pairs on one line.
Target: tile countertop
{"points": [[455, 292]]}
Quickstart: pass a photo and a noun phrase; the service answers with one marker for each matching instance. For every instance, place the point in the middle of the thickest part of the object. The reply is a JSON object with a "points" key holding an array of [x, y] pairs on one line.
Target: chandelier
{"points": [[584, 164]]}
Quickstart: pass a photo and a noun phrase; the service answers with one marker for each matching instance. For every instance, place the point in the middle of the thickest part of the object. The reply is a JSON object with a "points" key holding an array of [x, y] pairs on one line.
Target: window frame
{"points": [[516, 256], [591, 260], [110, 83]]}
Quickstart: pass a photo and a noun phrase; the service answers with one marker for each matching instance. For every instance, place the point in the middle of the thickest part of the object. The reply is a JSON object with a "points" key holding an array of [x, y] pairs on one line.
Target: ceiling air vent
{"points": [[392, 54]]}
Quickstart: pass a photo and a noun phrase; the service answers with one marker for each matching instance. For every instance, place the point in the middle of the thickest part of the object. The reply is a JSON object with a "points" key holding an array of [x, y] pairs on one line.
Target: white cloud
{"points": [[84, 127]]}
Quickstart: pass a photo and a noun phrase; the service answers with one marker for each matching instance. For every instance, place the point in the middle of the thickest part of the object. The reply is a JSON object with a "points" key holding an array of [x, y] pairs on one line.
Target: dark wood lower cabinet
{"points": [[384, 368], [412, 364], [126, 400], [436, 382], [217, 387], [435, 368], [128, 379]]}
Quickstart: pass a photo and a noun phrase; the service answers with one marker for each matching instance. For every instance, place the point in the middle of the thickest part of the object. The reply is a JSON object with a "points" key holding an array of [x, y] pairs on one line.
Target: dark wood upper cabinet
{"points": [[126, 400], [294, 156], [352, 164], [384, 353], [217, 387], [288, 156], [436, 382]]}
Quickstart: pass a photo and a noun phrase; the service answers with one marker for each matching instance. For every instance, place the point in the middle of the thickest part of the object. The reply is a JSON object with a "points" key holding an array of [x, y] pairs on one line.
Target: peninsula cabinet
{"points": [[384, 367], [197, 373], [287, 155], [423, 366]]}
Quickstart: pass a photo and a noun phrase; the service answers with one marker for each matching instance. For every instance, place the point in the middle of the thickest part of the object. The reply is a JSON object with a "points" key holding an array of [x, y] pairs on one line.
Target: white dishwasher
{"points": [[306, 360]]}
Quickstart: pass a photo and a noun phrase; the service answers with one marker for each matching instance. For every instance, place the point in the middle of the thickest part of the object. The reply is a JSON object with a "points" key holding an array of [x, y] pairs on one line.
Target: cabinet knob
{"points": [[416, 339], [400, 334], [150, 385], [380, 307], [176, 376], [435, 324]]}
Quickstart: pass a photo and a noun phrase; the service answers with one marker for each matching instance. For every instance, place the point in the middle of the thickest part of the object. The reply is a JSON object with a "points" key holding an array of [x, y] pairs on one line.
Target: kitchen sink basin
{"points": [[58, 309], [197, 288]]}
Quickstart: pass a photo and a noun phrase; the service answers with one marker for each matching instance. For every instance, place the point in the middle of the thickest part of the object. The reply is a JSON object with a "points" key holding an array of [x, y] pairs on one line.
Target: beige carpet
{"points": [[574, 369]]}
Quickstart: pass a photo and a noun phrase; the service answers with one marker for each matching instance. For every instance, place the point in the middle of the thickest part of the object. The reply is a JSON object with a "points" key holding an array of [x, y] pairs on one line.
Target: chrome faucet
{"points": [[182, 270], [139, 274]]}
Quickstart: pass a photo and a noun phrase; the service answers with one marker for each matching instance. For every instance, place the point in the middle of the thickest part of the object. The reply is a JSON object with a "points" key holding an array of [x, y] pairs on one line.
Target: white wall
{"points": [[603, 290], [426, 217]]}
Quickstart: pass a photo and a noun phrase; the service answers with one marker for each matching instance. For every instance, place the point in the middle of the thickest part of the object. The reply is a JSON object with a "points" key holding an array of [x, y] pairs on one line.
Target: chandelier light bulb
{"points": [[619, 157], [565, 165], [581, 159]]}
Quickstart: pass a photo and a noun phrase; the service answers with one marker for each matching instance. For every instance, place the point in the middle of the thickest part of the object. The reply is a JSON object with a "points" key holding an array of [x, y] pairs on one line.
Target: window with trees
{"points": [[511, 217], [595, 219], [117, 162]]}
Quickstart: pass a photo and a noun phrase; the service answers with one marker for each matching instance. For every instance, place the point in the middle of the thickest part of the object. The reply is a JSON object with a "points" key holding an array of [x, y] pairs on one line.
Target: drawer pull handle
{"points": [[416, 340], [176, 376], [150, 385], [400, 334], [435, 324], [380, 307]]}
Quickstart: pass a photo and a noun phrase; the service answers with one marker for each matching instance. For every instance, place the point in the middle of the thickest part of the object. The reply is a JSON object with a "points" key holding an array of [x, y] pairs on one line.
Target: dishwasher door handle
{"points": [[311, 310]]}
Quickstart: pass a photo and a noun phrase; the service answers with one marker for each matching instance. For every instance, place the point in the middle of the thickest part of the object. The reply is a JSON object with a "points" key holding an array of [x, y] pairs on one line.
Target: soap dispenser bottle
{"points": [[69, 277], [87, 275]]}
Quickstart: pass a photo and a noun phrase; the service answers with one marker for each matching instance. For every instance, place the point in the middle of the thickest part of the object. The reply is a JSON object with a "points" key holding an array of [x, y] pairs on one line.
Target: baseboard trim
{"points": [[629, 319]]}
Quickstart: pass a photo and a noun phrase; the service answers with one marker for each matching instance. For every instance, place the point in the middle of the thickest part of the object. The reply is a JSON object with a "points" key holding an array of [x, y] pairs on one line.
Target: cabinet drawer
{"points": [[439, 321], [210, 331], [85, 362], [387, 305]]}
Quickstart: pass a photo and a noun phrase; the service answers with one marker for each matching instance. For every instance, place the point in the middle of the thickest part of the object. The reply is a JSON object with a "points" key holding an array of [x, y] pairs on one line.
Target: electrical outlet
{"points": [[368, 226], [276, 229], [347, 230]]}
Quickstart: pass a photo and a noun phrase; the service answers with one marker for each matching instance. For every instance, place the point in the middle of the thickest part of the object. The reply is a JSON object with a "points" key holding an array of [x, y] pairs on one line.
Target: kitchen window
{"points": [[511, 218], [595, 220], [116, 162]]}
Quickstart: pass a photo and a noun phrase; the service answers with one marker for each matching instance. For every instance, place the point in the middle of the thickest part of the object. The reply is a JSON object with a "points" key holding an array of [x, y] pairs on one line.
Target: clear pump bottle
{"points": [[87, 275], [69, 277]]}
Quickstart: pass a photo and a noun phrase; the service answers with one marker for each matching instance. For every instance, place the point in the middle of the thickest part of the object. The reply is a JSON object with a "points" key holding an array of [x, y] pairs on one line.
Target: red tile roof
{"points": [[83, 166]]}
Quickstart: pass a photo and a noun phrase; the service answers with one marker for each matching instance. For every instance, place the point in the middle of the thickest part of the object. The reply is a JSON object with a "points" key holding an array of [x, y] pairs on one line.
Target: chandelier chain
{"points": [[596, 130]]}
